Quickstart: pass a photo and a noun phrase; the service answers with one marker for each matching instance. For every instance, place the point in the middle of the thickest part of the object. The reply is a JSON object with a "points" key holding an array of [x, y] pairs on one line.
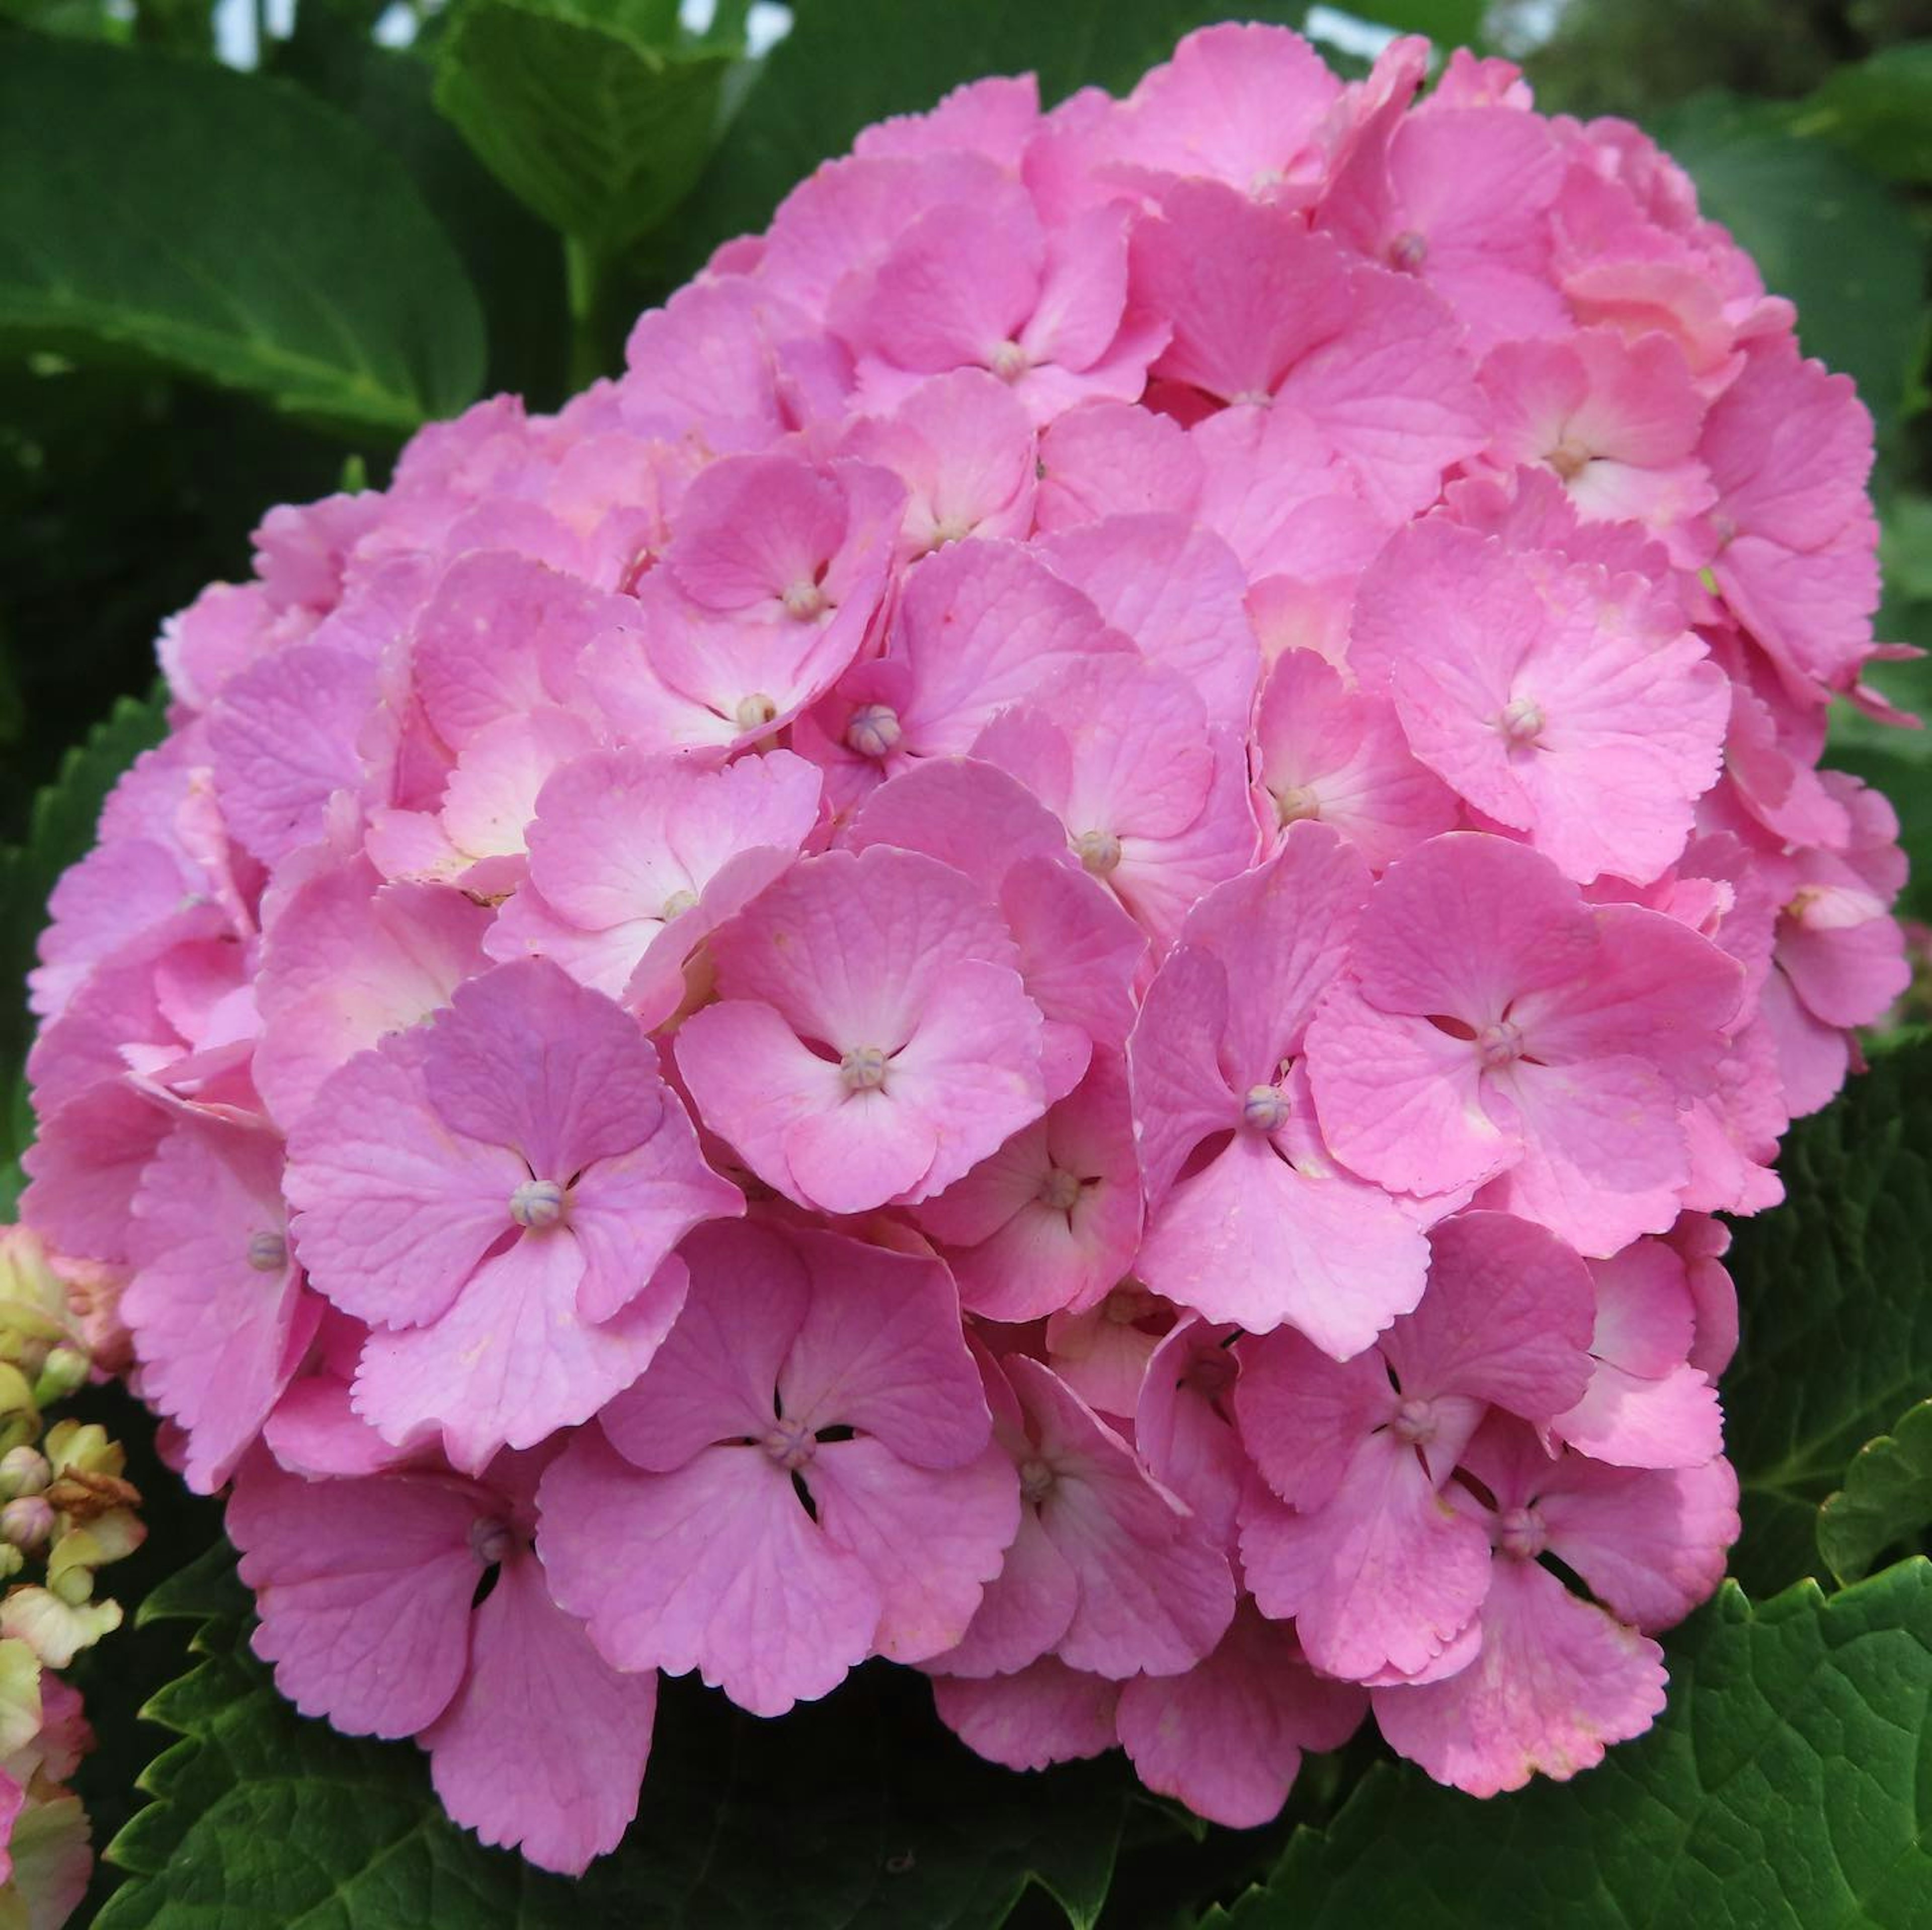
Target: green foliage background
{"points": [[220, 290]]}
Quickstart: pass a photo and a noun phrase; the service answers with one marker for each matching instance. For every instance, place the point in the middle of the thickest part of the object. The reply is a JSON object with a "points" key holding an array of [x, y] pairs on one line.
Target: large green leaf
{"points": [[61, 831], [847, 63], [1834, 1290], [228, 225], [1822, 230], [1784, 1788], [599, 116], [1879, 109], [1887, 1497], [858, 1813]]}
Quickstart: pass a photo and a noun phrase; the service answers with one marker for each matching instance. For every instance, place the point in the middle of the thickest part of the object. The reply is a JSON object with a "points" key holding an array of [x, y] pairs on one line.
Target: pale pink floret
{"points": [[1351, 1535], [873, 1040], [1558, 1678], [978, 626], [1149, 792], [365, 1590], [804, 1363], [1568, 704], [1246, 105], [1108, 1571], [1079, 950], [348, 960], [1249, 1220], [498, 1195], [1490, 1022], [986, 285], [964, 447], [217, 1307], [1052, 1219], [1617, 421], [1368, 367], [635, 858], [1457, 197], [1337, 755]]}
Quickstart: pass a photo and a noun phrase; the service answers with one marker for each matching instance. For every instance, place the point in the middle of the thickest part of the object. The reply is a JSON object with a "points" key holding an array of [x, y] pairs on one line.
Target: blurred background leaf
{"points": [[232, 227]]}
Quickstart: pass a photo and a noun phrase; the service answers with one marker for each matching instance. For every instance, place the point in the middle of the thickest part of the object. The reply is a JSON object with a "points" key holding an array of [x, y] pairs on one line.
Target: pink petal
{"points": [[1046, 1714], [1557, 1680], [543, 1748]]}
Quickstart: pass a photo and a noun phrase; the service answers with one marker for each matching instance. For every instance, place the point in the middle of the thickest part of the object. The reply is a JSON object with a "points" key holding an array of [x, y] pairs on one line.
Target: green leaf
{"points": [[847, 63], [1822, 230], [1834, 1293], [1879, 110], [229, 226], [1887, 1498], [595, 117], [61, 832], [857, 1813], [1782, 1789]]}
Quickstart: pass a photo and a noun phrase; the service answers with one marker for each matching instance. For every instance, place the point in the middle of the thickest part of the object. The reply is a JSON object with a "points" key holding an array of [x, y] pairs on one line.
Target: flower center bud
{"points": [[1497, 1045], [1568, 459], [791, 1444], [1100, 851], [1036, 1481], [1521, 721], [1414, 1422], [1294, 803], [754, 711], [1265, 1109], [1060, 1191], [1408, 251], [803, 601], [1520, 1531], [1010, 362], [677, 904], [863, 1068], [490, 1541], [873, 730], [269, 1252], [537, 1202]]}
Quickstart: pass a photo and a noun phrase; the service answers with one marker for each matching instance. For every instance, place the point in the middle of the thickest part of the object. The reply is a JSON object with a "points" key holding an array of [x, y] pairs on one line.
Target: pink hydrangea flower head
{"points": [[1042, 956]]}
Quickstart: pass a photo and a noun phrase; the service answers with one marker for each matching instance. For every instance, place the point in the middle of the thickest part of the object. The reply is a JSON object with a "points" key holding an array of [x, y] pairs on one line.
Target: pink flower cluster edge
{"points": [[1041, 957]]}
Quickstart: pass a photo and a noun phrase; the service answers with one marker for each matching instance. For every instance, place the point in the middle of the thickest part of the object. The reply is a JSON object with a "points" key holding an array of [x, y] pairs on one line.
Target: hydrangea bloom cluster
{"points": [[1041, 957]]}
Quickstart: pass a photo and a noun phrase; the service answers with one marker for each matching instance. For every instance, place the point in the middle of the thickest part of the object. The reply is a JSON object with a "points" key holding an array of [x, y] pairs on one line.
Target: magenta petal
{"points": [[543, 1747]]}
